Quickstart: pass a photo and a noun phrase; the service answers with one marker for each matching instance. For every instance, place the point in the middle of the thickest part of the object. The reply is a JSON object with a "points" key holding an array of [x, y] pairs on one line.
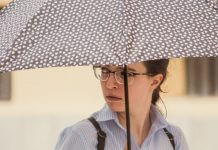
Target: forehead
{"points": [[139, 66]]}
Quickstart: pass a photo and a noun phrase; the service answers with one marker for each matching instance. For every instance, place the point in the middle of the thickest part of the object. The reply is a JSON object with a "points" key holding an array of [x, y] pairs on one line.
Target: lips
{"points": [[114, 98]]}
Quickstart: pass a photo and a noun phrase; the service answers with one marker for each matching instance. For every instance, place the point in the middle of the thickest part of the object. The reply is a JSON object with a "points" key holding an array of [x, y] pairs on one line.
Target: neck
{"points": [[140, 124]]}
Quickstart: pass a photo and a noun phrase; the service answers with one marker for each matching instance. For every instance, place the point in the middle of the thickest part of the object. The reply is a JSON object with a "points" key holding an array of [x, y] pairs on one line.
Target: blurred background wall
{"points": [[35, 105], [4, 2]]}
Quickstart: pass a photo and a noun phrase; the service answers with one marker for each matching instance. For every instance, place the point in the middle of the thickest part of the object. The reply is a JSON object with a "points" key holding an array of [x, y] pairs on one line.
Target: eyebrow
{"points": [[130, 69]]}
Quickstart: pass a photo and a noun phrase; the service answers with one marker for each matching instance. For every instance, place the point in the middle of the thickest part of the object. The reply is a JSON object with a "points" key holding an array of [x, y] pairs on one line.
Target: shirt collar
{"points": [[105, 114], [157, 119]]}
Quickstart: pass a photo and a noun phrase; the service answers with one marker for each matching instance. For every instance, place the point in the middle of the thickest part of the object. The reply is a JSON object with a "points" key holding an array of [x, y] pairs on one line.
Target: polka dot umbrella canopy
{"points": [[56, 33], [52, 33]]}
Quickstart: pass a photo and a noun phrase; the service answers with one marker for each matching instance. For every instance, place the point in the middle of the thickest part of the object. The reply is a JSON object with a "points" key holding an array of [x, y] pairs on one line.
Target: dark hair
{"points": [[155, 67]]}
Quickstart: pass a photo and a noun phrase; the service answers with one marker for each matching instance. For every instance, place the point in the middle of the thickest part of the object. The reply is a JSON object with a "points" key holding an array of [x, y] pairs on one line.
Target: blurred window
{"points": [[202, 76], [5, 86]]}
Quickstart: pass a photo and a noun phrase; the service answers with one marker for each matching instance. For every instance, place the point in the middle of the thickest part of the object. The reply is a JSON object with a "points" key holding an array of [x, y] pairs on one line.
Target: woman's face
{"points": [[140, 91]]}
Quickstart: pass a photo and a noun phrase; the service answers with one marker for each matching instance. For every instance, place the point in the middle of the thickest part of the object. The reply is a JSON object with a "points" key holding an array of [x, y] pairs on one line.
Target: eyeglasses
{"points": [[103, 74]]}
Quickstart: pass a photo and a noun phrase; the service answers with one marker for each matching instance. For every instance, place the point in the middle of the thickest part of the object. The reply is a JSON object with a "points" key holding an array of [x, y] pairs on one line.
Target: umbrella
{"points": [[57, 33], [69, 33]]}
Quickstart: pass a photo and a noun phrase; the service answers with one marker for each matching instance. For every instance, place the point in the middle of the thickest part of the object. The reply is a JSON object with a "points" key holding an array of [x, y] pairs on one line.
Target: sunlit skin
{"points": [[140, 96]]}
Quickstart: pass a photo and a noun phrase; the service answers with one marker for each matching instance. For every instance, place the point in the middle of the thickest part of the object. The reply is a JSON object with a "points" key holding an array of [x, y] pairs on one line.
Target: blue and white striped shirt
{"points": [[83, 135]]}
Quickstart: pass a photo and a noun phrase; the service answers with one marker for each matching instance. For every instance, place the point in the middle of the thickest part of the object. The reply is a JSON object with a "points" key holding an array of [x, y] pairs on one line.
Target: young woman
{"points": [[149, 129]]}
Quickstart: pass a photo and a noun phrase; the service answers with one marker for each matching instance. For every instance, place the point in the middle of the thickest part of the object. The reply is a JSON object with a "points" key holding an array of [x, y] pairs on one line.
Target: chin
{"points": [[116, 107]]}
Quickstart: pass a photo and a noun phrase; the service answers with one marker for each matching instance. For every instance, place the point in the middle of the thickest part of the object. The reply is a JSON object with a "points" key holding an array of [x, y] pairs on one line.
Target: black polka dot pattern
{"points": [[54, 33]]}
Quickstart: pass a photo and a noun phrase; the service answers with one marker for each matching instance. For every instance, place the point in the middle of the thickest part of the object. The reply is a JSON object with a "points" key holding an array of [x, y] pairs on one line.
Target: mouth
{"points": [[113, 98]]}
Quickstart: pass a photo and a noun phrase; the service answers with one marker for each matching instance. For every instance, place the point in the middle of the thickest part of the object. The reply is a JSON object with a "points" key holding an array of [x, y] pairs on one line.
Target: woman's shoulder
{"points": [[159, 123], [81, 133], [82, 127], [179, 137], [174, 129]]}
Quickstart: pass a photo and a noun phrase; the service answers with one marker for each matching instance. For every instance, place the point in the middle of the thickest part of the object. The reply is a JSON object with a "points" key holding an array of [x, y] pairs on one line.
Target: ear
{"points": [[156, 80]]}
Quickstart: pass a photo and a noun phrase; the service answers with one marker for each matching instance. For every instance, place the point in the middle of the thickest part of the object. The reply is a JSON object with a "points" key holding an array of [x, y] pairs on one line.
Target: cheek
{"points": [[103, 88], [140, 92]]}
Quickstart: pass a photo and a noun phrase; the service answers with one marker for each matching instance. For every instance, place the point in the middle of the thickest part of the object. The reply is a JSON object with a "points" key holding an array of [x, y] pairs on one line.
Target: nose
{"points": [[111, 82]]}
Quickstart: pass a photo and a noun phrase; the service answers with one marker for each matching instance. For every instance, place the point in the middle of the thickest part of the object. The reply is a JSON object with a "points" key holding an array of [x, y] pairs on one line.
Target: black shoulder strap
{"points": [[101, 134], [170, 137]]}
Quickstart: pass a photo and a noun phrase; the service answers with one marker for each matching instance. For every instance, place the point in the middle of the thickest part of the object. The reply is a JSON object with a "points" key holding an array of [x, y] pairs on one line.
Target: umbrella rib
{"points": [[127, 108]]}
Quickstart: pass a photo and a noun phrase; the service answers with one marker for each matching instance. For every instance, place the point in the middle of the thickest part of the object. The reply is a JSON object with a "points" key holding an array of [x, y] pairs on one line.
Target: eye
{"points": [[104, 70], [129, 74]]}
